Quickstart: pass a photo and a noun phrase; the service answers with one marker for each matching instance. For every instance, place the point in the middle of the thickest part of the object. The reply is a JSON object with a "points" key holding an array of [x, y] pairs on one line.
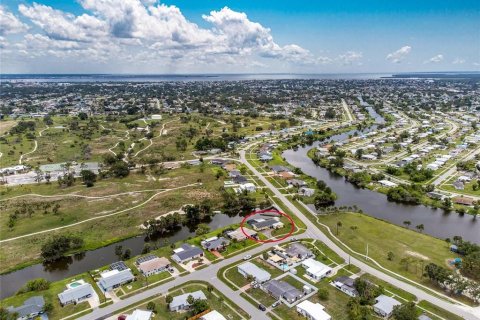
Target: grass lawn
{"points": [[383, 237], [440, 312], [261, 296], [216, 301], [50, 295]]}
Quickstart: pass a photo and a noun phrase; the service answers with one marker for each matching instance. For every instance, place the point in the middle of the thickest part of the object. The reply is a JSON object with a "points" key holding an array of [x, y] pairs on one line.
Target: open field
{"points": [[415, 249]]}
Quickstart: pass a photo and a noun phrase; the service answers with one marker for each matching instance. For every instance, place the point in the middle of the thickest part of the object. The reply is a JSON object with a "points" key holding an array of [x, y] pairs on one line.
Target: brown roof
{"points": [[463, 200], [286, 175], [153, 264], [230, 166]]}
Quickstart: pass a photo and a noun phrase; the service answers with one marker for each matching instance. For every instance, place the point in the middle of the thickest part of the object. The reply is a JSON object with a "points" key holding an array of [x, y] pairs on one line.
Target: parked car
{"points": [[262, 307], [276, 303], [171, 270], [247, 257]]}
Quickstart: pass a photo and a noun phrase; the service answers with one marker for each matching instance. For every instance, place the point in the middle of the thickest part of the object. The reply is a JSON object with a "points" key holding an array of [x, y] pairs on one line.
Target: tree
{"points": [[168, 298], [118, 250], [119, 169], [38, 284], [407, 223], [55, 247], [420, 227], [151, 306], [190, 299], [47, 307], [127, 254], [209, 288], [339, 224], [88, 177], [405, 311], [202, 229], [323, 294], [390, 255]]}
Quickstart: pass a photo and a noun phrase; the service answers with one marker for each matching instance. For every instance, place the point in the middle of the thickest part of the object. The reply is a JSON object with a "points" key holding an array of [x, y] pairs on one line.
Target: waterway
{"points": [[437, 222], [91, 260]]}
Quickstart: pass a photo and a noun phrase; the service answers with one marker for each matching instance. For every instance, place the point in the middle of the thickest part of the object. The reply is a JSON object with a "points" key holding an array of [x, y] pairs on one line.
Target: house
{"points": [[387, 183], [436, 195], [30, 308], [315, 269], [424, 317], [153, 266], [119, 265], [247, 187], [307, 192], [286, 175], [181, 302], [249, 269], [240, 235], [296, 183], [466, 201], [218, 162], [458, 185], [186, 253], [384, 305], [312, 311], [263, 224], [298, 250], [240, 179], [213, 315], [234, 173], [282, 290], [215, 244], [278, 169], [113, 279], [76, 292], [346, 285], [140, 315]]}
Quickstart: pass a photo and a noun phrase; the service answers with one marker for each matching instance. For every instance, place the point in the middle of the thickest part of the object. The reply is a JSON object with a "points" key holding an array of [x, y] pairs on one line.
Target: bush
{"points": [[39, 284]]}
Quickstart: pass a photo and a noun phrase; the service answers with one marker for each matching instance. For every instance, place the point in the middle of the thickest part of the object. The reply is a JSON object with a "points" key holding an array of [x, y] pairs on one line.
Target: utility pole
{"points": [[367, 252]]}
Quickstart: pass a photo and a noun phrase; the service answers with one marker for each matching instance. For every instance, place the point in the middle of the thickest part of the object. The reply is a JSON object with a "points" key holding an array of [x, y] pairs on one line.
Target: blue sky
{"points": [[145, 36]]}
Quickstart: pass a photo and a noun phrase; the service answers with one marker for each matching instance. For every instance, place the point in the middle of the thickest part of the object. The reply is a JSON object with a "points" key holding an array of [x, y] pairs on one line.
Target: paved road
{"points": [[447, 174], [314, 232], [208, 274]]}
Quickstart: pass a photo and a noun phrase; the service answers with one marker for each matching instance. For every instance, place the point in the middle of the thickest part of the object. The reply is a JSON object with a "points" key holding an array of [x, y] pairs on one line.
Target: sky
{"points": [[211, 36]]}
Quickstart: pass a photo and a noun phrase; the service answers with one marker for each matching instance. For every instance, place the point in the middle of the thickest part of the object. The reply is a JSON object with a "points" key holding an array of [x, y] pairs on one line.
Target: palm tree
{"points": [[407, 223], [339, 224]]}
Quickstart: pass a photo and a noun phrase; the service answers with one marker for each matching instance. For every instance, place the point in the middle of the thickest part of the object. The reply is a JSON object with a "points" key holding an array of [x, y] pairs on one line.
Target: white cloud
{"points": [[64, 26], [435, 59], [151, 31], [458, 61], [399, 55], [9, 23], [349, 57]]}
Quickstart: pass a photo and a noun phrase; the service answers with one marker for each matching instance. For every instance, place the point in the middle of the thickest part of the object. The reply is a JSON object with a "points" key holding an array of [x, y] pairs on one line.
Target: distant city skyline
{"points": [[152, 37]]}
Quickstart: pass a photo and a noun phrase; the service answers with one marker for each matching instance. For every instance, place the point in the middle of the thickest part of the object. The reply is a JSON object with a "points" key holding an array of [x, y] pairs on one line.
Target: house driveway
{"points": [[189, 266], [217, 254]]}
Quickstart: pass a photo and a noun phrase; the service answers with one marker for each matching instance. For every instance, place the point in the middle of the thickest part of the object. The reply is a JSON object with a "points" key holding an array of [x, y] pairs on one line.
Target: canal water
{"points": [[91, 260], [437, 222]]}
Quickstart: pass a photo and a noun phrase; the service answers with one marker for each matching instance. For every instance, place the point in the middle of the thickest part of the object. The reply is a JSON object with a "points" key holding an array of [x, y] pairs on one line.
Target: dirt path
{"points": [[99, 217]]}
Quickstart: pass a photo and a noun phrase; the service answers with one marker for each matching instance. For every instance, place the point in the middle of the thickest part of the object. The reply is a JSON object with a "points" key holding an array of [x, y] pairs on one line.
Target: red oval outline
{"points": [[292, 229]]}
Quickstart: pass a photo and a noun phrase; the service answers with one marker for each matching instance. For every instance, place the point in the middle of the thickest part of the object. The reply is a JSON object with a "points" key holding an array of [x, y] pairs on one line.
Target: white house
{"points": [[249, 187], [181, 302], [312, 311], [140, 315], [315, 269], [76, 292], [213, 315], [384, 305], [249, 269]]}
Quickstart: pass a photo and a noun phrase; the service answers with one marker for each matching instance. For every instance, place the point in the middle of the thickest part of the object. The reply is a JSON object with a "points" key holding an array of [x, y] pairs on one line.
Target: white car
{"points": [[247, 257]]}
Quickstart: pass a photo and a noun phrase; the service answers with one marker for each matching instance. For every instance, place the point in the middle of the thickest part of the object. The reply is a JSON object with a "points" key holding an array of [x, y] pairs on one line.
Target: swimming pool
{"points": [[74, 284]]}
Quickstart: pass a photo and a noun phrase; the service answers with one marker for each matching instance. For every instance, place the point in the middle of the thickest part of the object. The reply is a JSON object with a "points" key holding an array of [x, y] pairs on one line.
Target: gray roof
{"points": [[386, 303], [33, 305], [279, 168], [182, 299], [148, 257], [297, 249], [283, 289], [219, 242], [117, 279], [262, 224], [346, 281], [257, 273], [75, 293], [188, 252]]}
